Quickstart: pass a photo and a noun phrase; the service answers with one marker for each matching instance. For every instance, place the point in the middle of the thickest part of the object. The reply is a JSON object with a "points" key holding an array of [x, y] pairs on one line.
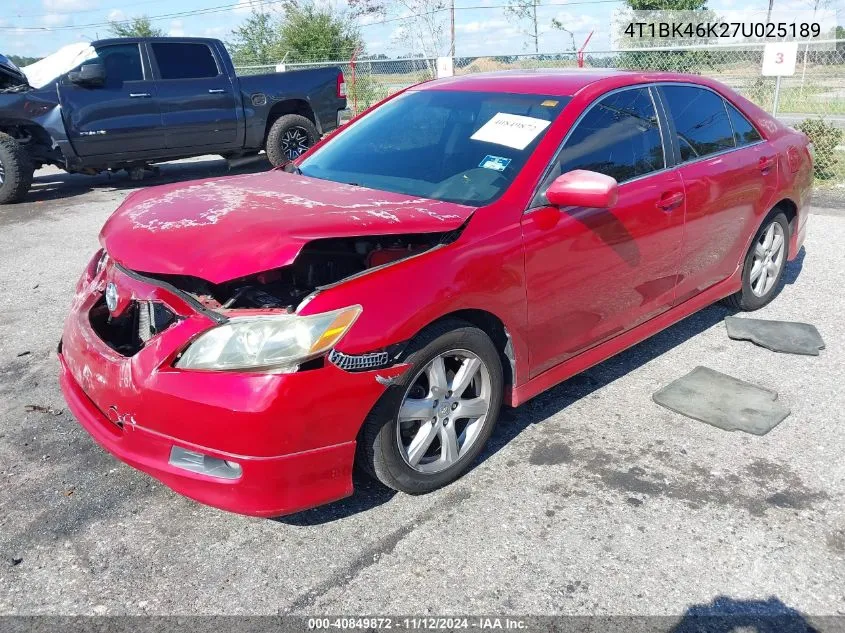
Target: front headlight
{"points": [[273, 343]]}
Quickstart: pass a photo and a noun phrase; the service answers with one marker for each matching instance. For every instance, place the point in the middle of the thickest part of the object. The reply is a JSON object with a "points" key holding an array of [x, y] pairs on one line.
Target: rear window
{"points": [[463, 147], [701, 121], [744, 132], [184, 60]]}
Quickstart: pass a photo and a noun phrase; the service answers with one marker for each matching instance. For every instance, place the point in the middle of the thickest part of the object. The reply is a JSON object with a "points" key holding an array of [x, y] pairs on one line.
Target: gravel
{"points": [[591, 498]]}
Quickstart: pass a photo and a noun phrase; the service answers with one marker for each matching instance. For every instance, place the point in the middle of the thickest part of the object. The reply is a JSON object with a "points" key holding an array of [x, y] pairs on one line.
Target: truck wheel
{"points": [[15, 170], [289, 136]]}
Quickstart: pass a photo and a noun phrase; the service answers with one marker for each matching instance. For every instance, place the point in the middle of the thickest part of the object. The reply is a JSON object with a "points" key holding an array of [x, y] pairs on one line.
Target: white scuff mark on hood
{"points": [[220, 197], [222, 200], [437, 216], [384, 215]]}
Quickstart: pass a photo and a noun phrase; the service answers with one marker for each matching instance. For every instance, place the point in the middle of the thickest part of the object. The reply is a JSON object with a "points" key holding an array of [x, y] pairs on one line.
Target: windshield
{"points": [[464, 147]]}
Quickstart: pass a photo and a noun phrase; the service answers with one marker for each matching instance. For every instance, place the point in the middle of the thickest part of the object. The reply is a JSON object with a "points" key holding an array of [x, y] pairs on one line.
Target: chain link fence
{"points": [[812, 100]]}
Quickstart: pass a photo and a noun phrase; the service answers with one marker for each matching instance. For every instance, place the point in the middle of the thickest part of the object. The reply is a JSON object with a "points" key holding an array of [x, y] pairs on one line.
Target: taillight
{"points": [[341, 86]]}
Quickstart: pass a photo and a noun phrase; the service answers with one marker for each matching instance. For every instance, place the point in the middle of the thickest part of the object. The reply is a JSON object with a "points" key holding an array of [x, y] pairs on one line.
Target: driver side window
{"points": [[122, 63], [619, 136]]}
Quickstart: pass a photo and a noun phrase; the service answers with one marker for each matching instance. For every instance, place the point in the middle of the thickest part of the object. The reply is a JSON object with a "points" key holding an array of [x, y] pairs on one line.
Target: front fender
{"points": [[401, 299]]}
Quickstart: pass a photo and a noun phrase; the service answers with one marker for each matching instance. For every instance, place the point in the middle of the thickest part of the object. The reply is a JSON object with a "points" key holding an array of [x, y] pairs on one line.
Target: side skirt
{"points": [[620, 343]]}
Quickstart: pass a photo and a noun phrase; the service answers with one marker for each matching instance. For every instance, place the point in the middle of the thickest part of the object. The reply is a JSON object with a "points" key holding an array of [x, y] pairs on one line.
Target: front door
{"points": [[120, 117], [594, 273], [198, 100]]}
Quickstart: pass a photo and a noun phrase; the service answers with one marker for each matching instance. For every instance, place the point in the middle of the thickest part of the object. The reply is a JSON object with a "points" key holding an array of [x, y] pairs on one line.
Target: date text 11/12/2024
{"points": [[490, 623]]}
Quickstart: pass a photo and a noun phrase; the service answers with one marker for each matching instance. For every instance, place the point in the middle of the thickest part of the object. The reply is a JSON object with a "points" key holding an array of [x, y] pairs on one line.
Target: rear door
{"points": [[730, 176], [120, 117], [594, 273], [198, 101]]}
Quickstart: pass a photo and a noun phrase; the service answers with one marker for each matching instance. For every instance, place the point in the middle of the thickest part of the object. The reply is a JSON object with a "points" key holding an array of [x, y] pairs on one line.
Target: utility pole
{"points": [[769, 14], [452, 47], [536, 38]]}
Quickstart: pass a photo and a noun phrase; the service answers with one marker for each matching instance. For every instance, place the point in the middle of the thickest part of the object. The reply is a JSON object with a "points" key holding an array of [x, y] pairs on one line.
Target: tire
{"points": [[759, 291], [282, 134], [16, 170], [379, 452]]}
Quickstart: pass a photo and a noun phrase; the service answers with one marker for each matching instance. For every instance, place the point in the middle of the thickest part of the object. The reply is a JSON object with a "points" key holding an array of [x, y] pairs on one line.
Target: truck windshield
{"points": [[457, 146]]}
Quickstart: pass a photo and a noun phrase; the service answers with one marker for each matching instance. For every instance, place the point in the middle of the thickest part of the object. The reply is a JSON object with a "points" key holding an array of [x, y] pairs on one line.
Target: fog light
{"points": [[204, 464]]}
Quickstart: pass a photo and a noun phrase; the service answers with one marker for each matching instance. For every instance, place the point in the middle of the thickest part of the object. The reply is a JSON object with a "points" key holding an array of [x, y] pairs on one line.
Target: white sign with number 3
{"points": [[779, 59]]}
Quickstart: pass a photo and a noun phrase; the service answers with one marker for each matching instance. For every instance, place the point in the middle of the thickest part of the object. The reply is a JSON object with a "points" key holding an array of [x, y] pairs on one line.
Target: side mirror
{"points": [[582, 188], [89, 75]]}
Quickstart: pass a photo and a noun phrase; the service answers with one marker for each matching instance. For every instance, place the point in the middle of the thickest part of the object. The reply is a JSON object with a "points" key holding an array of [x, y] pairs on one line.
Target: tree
{"points": [[309, 32], [423, 24], [22, 60], [302, 32], [523, 10], [139, 26], [257, 40]]}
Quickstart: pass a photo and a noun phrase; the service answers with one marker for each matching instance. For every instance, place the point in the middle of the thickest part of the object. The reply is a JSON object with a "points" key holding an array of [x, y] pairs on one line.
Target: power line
{"points": [[487, 6], [230, 7], [151, 18], [96, 10]]}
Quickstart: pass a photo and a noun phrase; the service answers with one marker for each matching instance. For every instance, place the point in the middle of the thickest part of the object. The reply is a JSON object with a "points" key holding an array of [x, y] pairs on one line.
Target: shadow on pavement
{"points": [[726, 615], [368, 494]]}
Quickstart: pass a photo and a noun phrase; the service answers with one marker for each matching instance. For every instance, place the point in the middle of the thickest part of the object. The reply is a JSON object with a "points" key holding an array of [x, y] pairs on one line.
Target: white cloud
{"points": [[215, 31], [55, 19], [485, 26], [176, 29], [69, 6], [116, 15]]}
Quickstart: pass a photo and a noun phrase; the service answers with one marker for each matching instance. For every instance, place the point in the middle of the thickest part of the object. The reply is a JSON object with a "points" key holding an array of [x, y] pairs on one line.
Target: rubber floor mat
{"points": [[779, 336], [723, 401]]}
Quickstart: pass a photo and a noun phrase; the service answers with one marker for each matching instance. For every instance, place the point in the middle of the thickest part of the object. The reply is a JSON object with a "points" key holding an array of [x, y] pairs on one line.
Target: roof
{"points": [[549, 81], [133, 40]]}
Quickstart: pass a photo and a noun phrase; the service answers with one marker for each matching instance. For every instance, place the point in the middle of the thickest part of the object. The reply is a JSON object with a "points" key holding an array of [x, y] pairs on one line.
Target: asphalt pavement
{"points": [[591, 499]]}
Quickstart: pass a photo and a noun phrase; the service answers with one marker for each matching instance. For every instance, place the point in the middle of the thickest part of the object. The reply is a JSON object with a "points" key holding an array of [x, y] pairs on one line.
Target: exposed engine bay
{"points": [[320, 263]]}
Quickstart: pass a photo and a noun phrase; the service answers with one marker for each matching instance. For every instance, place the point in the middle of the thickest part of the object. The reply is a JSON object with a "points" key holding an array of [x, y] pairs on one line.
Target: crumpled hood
{"points": [[225, 228]]}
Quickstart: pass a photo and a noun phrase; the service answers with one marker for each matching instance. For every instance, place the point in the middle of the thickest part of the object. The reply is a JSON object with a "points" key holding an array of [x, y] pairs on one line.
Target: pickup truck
{"points": [[127, 103]]}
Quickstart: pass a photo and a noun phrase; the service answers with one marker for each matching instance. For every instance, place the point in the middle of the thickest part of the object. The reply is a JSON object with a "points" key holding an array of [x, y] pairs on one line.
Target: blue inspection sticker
{"points": [[496, 163]]}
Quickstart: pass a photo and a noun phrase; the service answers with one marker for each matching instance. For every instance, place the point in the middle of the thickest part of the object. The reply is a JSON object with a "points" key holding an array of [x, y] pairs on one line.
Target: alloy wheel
{"points": [[443, 411], [294, 142], [768, 259], [2, 173]]}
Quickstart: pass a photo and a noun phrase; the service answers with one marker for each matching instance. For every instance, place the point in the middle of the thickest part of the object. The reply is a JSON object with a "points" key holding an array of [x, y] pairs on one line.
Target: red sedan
{"points": [[467, 243]]}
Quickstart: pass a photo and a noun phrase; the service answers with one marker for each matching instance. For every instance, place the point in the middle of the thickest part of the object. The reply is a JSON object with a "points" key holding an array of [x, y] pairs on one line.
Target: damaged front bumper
{"points": [[251, 443]]}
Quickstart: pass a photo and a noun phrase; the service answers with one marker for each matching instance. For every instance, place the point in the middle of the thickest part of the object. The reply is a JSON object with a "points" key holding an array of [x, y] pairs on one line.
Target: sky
{"points": [[38, 27]]}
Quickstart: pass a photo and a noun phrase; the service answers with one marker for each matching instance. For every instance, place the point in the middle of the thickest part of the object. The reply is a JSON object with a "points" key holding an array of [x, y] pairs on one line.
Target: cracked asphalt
{"points": [[590, 499]]}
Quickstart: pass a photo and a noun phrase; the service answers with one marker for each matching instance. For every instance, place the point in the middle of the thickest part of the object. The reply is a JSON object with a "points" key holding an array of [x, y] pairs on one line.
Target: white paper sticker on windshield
{"points": [[511, 130]]}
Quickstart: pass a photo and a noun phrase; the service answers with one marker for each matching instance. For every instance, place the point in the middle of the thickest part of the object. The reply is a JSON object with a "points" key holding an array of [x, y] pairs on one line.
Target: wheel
{"points": [[764, 264], [289, 136], [15, 170], [426, 430]]}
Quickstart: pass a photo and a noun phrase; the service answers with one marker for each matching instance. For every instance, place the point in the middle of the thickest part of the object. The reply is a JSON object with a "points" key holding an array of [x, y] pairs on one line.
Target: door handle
{"points": [[766, 163], [139, 95], [216, 91], [670, 200]]}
